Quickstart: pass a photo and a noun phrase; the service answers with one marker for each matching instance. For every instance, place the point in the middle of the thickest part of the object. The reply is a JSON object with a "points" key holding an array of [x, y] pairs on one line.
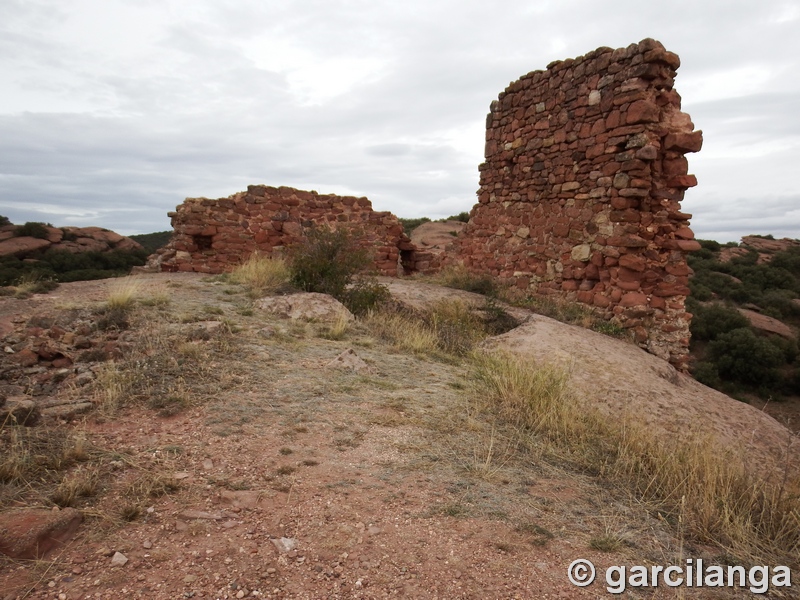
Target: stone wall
{"points": [[581, 189], [213, 236]]}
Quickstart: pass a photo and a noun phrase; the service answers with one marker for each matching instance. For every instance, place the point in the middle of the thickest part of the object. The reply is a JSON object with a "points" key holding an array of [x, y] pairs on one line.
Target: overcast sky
{"points": [[112, 112]]}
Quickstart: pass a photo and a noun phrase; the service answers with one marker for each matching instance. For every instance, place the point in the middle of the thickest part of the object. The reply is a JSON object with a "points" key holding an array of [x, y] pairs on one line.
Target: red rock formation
{"points": [[581, 189], [68, 239], [213, 236]]}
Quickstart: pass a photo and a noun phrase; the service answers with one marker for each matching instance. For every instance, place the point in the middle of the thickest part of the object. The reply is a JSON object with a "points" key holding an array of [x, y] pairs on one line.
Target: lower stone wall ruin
{"points": [[213, 236], [581, 189]]}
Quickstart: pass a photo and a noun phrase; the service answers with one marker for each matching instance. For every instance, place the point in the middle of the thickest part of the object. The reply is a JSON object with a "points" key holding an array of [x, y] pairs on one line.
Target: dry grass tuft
{"points": [[336, 330], [261, 275], [123, 293], [44, 464], [460, 278], [448, 328], [689, 479]]}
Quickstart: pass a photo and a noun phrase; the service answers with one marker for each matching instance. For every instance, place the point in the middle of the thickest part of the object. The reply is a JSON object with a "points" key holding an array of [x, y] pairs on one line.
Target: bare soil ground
{"points": [[298, 480]]}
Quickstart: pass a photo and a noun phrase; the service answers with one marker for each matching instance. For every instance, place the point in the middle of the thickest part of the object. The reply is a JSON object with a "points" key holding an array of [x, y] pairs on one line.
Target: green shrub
{"points": [[4, 221], [711, 321], [712, 245], [740, 355], [365, 294], [152, 241], [32, 229], [706, 373], [333, 262], [462, 216], [327, 260], [410, 225]]}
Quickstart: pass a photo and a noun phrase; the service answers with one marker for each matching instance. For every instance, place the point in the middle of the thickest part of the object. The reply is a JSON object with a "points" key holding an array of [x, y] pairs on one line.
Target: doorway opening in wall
{"points": [[203, 242], [408, 261]]}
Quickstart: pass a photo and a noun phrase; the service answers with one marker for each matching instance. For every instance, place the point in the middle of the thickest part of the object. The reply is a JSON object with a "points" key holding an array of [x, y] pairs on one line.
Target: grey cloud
{"points": [[193, 115], [388, 149]]}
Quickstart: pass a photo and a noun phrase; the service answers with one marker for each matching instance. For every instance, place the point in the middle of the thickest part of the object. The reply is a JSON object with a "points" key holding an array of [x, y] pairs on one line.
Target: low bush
{"points": [[712, 320], [332, 261], [462, 216], [410, 225], [32, 229], [327, 260], [363, 295], [741, 356]]}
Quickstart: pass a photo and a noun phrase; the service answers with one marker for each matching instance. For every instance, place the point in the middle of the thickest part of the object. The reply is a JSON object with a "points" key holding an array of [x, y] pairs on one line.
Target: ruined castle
{"points": [[579, 197]]}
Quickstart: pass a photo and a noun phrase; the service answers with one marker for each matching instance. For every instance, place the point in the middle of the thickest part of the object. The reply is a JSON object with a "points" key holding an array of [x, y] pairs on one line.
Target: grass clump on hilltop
{"points": [[690, 480], [261, 275]]}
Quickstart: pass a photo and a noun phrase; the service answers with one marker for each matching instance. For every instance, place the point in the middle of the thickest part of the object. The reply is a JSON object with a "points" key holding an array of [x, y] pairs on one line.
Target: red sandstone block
{"points": [[601, 300], [657, 303], [682, 181], [633, 299], [684, 142], [642, 111], [680, 269], [629, 286], [634, 262], [685, 233], [662, 55], [675, 166], [647, 153], [666, 290], [682, 245]]}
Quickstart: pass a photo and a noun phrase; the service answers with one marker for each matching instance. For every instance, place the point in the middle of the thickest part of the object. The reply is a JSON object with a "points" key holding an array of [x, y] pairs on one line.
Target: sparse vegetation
{"points": [[460, 278], [123, 293], [448, 328], [410, 225], [152, 241], [331, 261], [493, 427], [32, 229], [689, 479], [261, 275]]}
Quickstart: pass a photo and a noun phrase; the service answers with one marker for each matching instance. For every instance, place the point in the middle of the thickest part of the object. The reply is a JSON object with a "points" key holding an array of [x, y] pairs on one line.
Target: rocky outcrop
{"points": [[767, 324], [306, 306], [65, 239], [213, 236], [581, 189], [436, 236]]}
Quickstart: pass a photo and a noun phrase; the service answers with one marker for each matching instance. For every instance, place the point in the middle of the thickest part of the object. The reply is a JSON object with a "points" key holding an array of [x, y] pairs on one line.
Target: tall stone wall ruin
{"points": [[581, 189], [213, 236]]}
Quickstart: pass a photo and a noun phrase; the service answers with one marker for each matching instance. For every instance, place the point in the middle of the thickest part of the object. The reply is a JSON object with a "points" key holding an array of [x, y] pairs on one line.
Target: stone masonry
{"points": [[581, 189], [213, 236]]}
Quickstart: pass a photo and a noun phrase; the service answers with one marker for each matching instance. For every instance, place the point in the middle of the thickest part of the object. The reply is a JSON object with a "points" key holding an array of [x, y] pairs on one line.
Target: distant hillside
{"points": [[40, 252], [152, 241], [746, 306]]}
